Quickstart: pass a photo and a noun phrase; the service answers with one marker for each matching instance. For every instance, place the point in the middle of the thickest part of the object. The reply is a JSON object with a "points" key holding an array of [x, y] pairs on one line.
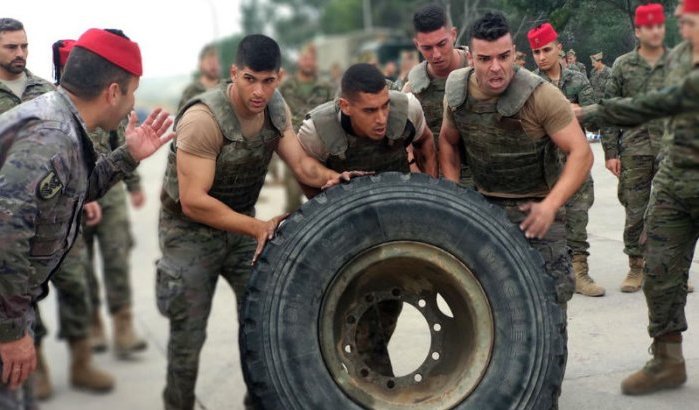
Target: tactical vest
{"points": [[503, 158], [242, 164], [348, 152]]}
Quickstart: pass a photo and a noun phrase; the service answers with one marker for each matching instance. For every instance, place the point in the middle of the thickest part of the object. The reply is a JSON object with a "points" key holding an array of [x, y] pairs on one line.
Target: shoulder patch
{"points": [[49, 186]]}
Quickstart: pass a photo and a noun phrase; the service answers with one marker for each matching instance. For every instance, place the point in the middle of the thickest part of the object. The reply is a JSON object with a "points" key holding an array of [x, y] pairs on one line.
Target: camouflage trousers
{"points": [[553, 247], [577, 217], [672, 227], [74, 308], [113, 235], [194, 256], [634, 192]]}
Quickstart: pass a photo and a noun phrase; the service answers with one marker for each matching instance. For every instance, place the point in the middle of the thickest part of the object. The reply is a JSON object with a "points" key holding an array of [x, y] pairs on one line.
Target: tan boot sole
{"points": [[667, 385]]}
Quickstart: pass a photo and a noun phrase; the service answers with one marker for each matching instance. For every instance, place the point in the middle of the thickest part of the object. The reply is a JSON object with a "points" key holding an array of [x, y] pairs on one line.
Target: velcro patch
{"points": [[49, 186]]}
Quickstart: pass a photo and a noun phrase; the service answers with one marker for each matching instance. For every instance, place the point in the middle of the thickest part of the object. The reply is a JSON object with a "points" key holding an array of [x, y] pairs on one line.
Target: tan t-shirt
{"points": [[546, 112], [314, 146], [198, 132]]}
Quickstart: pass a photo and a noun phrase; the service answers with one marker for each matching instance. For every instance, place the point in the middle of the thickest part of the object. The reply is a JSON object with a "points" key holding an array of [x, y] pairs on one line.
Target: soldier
{"points": [[216, 168], [672, 217], [113, 234], [408, 60], [520, 59], [208, 75], [576, 88], [631, 156], [69, 280], [302, 92], [574, 64], [17, 83], [369, 128], [512, 124], [48, 170], [435, 38], [599, 75]]}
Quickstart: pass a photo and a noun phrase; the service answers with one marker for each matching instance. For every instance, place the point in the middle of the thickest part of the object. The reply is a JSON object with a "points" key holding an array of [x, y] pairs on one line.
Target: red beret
{"points": [[64, 51], [649, 14], [541, 35], [116, 49], [691, 6]]}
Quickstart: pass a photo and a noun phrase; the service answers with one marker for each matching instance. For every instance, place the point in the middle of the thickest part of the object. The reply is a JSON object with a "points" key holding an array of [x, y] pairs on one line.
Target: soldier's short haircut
{"points": [[86, 74], [258, 53], [10, 24], [208, 50], [490, 27], [429, 18], [362, 78]]}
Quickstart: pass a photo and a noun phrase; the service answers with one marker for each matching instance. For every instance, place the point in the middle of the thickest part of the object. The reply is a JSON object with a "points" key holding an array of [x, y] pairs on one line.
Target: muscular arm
{"points": [[196, 175], [425, 155], [630, 112], [449, 157], [307, 170]]}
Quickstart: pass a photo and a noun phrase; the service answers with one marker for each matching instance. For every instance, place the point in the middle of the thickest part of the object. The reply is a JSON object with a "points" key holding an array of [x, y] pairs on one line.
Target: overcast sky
{"points": [[170, 33]]}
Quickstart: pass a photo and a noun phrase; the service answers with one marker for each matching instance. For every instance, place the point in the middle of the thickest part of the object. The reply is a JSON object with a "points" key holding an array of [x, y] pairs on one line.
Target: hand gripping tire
{"points": [[408, 238]]}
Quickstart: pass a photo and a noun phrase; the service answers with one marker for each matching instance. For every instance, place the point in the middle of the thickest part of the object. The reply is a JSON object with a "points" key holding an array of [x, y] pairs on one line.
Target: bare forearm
{"points": [[312, 173], [214, 213], [426, 158], [449, 160], [574, 174]]}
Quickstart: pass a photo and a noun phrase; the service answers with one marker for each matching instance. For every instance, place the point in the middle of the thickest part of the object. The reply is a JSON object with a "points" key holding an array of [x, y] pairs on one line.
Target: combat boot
{"points": [[125, 339], [666, 370], [584, 284], [43, 389], [83, 374], [634, 278], [98, 341]]}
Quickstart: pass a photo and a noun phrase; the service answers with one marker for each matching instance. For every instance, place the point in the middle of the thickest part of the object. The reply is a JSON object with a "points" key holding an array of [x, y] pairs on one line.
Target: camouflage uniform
{"points": [[579, 67], [347, 151], [194, 255], [113, 232], [483, 127], [430, 92], [598, 81], [504, 161], [637, 148], [301, 97], [48, 170], [672, 217], [577, 90], [70, 279]]}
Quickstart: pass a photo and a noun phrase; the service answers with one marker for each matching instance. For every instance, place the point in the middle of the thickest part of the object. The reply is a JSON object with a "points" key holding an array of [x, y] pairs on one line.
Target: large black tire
{"points": [[282, 359]]}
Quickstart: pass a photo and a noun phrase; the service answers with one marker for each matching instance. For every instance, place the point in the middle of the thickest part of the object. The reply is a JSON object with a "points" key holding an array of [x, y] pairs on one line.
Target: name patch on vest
{"points": [[49, 186]]}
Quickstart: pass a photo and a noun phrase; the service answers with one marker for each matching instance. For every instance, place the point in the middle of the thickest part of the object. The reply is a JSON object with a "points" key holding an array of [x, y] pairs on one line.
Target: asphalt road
{"points": [[607, 336]]}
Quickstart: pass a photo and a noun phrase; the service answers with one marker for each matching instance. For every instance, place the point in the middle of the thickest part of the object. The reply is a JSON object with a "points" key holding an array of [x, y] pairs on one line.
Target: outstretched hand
{"points": [[345, 177], [142, 141]]}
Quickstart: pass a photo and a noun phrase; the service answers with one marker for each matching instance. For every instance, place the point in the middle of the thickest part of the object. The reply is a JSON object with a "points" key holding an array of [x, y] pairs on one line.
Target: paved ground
{"points": [[607, 335]]}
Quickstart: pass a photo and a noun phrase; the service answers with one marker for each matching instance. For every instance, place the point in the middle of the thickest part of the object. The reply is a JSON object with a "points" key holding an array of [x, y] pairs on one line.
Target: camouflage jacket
{"points": [[35, 87], [302, 98], [106, 142], [632, 75], [48, 170], [574, 85], [598, 81], [579, 67], [679, 102]]}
